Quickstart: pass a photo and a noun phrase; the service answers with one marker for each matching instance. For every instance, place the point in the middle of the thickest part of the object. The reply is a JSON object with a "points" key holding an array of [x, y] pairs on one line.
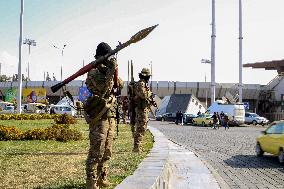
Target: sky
{"points": [[175, 48]]}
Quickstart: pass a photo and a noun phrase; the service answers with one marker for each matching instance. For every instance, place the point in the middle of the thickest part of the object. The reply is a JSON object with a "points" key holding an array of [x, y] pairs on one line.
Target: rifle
{"points": [[117, 116], [135, 38], [131, 96]]}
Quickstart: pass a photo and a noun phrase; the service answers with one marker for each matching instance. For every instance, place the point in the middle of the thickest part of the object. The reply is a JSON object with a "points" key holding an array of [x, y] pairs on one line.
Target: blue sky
{"points": [[175, 47]]}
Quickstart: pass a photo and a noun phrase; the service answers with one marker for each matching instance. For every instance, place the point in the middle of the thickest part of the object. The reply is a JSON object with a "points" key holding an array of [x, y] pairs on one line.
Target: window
{"points": [[199, 106], [192, 100], [275, 129], [196, 103]]}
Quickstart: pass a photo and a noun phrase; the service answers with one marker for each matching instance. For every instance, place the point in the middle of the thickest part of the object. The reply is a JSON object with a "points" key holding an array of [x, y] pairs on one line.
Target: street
{"points": [[229, 153]]}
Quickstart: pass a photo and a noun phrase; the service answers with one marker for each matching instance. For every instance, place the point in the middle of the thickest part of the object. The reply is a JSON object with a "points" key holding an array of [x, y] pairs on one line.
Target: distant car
{"points": [[253, 118], [166, 117], [188, 118], [62, 109], [8, 110], [203, 119], [272, 141]]}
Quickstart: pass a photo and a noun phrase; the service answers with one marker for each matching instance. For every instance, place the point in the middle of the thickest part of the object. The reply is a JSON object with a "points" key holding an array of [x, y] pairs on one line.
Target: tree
{"points": [[4, 78]]}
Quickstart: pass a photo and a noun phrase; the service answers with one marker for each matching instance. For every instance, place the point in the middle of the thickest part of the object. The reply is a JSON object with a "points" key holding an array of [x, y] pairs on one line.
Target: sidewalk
{"points": [[169, 166]]}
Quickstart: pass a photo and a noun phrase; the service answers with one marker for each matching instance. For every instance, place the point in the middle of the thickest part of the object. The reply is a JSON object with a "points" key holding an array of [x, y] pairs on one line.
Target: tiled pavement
{"points": [[229, 154]]}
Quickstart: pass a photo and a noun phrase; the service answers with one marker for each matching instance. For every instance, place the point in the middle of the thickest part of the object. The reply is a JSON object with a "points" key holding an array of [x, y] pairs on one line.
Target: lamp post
{"points": [[19, 97], [62, 54], [206, 61], [29, 42], [240, 53], [213, 36], [151, 68]]}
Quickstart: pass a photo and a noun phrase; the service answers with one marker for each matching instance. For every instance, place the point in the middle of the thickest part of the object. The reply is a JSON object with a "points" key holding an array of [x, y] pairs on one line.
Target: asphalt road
{"points": [[229, 153]]}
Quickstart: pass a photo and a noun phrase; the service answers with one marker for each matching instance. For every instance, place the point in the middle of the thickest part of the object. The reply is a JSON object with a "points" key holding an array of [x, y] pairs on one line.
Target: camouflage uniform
{"points": [[125, 104], [100, 82], [143, 101]]}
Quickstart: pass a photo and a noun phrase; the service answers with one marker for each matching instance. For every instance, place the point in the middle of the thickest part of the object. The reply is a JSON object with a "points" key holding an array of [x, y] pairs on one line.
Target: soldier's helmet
{"points": [[102, 49], [145, 72]]}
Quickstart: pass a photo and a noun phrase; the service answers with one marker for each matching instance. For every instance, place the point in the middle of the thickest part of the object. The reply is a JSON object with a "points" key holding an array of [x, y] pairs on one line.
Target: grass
{"points": [[58, 165]]}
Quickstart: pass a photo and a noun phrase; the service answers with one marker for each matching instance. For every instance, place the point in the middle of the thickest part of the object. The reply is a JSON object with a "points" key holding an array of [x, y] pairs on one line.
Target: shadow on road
{"points": [[252, 161]]}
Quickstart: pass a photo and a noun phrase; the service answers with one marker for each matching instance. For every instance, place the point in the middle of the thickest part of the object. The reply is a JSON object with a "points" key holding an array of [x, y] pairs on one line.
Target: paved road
{"points": [[230, 153]]}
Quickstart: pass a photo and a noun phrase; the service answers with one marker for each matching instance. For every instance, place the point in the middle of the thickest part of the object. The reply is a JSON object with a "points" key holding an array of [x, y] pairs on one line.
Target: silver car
{"points": [[253, 118]]}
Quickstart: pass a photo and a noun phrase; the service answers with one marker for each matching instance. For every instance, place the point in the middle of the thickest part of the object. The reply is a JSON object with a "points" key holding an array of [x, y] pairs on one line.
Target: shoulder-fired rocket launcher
{"points": [[135, 38]]}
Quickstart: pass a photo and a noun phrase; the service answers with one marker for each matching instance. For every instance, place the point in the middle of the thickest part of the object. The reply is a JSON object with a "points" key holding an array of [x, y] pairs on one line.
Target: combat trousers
{"points": [[140, 128], [101, 138]]}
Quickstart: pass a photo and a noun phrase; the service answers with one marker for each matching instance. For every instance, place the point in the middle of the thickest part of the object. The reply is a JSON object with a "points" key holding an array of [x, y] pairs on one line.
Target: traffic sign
{"points": [[246, 105]]}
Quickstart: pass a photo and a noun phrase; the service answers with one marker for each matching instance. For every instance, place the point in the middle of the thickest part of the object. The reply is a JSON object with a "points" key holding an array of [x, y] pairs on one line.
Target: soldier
{"points": [[125, 105], [144, 100], [100, 114]]}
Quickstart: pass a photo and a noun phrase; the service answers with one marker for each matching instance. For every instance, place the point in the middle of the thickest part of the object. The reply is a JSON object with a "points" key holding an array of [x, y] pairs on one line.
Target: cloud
{"points": [[8, 63]]}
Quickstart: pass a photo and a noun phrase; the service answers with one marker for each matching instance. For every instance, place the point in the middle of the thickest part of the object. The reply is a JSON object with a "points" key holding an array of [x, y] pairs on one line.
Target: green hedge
{"points": [[57, 132], [27, 116]]}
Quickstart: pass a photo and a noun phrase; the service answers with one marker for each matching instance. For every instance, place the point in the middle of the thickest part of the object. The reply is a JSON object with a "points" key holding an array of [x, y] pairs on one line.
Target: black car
{"points": [[166, 117], [187, 118]]}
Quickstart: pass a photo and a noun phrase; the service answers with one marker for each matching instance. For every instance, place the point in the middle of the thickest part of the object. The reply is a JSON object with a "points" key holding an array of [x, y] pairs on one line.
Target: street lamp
{"points": [[62, 53], [29, 42], [19, 97], [151, 85], [205, 61]]}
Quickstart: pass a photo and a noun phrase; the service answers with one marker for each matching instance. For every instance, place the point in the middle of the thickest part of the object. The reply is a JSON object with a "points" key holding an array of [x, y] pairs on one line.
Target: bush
{"points": [[65, 119], [10, 133], [27, 116], [57, 132]]}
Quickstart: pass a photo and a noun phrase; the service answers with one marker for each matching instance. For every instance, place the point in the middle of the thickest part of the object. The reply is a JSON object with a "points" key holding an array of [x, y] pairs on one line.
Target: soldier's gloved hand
{"points": [[110, 62]]}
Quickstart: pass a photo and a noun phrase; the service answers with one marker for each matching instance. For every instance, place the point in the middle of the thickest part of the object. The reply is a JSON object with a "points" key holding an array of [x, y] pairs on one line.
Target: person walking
{"points": [[219, 120], [215, 120], [100, 112], [144, 100], [225, 121]]}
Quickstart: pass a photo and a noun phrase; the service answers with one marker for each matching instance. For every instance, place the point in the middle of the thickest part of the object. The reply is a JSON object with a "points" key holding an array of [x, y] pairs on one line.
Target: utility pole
{"points": [[151, 86], [62, 54], [213, 36], [206, 61], [29, 42], [240, 53], [19, 97]]}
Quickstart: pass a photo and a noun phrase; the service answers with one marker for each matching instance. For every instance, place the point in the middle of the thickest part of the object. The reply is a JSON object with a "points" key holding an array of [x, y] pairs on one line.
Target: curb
{"points": [[170, 166]]}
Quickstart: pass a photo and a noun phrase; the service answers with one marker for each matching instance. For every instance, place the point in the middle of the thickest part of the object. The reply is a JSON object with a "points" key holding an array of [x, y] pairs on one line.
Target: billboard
{"points": [[34, 95], [10, 95]]}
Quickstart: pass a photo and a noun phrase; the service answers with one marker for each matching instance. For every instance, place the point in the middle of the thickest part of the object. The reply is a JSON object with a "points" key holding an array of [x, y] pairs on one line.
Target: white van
{"points": [[235, 112]]}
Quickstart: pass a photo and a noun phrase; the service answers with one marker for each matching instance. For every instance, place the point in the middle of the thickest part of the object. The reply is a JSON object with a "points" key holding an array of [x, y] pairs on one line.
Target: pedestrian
{"points": [[144, 100], [215, 120], [225, 121], [198, 113], [181, 118], [100, 112], [219, 120], [222, 117], [177, 117]]}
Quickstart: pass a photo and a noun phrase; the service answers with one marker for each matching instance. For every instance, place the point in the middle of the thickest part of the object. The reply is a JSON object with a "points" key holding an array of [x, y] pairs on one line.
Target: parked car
{"points": [[8, 110], [253, 118], [168, 117], [272, 141], [62, 109], [203, 119], [188, 118]]}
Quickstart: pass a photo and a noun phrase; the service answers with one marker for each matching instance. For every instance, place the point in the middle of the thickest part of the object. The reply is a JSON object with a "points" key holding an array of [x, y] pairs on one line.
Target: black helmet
{"points": [[102, 49]]}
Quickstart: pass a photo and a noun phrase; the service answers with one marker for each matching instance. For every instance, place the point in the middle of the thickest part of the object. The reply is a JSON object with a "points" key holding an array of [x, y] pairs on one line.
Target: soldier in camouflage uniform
{"points": [[100, 114], [143, 99], [125, 105]]}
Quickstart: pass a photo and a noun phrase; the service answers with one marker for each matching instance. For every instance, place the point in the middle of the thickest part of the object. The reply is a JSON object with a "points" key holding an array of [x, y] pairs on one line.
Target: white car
{"points": [[62, 109], [253, 118]]}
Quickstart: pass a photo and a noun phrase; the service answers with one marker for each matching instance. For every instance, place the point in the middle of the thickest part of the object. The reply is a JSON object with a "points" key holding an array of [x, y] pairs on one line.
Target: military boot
{"points": [[103, 181]]}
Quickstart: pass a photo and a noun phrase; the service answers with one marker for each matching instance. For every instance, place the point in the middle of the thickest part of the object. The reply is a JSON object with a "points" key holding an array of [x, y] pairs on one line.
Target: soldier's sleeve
{"points": [[111, 64], [141, 91]]}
